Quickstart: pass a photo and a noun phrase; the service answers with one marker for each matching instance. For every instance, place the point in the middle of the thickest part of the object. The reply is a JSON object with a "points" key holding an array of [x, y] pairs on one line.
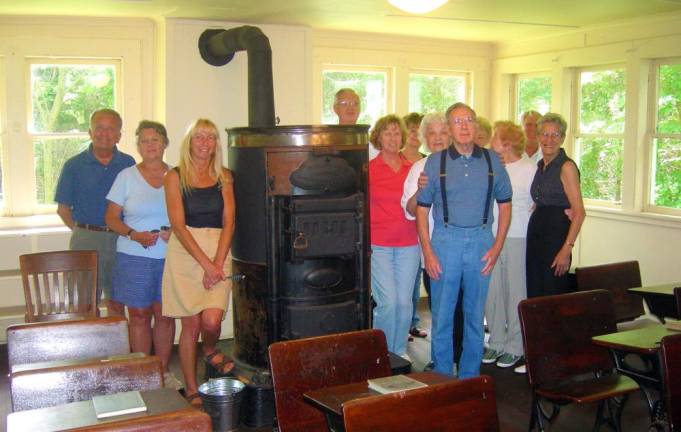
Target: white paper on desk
{"points": [[118, 404]]}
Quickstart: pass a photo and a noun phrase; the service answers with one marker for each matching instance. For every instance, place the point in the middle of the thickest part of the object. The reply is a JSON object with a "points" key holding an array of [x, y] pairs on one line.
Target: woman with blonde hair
{"points": [[201, 209]]}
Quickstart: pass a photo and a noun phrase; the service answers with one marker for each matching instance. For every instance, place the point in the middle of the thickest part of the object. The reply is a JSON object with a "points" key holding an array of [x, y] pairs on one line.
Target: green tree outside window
{"points": [[62, 98]]}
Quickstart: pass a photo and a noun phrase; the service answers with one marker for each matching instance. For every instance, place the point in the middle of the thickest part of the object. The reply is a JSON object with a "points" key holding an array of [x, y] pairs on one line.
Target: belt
{"points": [[90, 227]]}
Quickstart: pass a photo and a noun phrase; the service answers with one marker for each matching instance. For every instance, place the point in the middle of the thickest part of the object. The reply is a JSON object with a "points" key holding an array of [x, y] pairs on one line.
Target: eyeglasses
{"points": [[345, 103], [460, 121], [204, 137], [551, 135]]}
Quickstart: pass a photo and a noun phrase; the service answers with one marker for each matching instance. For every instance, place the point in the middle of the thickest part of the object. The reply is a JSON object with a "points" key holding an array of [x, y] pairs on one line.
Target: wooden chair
{"points": [[671, 370], [462, 406], [67, 340], [616, 278], [563, 366], [306, 364], [59, 285], [60, 384]]}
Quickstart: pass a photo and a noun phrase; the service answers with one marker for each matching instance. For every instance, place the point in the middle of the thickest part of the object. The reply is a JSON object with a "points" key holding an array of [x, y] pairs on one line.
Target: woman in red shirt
{"points": [[395, 253]]}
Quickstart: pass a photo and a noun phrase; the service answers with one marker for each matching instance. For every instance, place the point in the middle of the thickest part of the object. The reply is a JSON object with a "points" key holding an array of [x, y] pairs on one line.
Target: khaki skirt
{"points": [[183, 292]]}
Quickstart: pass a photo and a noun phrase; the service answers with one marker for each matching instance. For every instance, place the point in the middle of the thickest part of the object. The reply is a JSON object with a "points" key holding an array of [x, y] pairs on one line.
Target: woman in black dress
{"points": [[559, 213]]}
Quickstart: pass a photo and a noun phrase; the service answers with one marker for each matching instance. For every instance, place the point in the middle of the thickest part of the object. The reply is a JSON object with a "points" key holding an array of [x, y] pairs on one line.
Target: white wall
{"points": [[196, 89], [628, 232]]}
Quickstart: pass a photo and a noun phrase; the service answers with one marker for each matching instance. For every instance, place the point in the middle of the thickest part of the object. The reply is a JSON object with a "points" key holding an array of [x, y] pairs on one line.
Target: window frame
{"points": [[575, 134], [652, 134], [48, 61], [468, 82], [389, 81]]}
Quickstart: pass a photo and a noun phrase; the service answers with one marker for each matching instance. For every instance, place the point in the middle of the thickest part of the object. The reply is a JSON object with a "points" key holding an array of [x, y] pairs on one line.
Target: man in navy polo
{"points": [[81, 196], [463, 182]]}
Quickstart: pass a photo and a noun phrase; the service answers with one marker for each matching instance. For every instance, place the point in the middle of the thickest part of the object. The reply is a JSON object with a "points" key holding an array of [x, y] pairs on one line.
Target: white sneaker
{"points": [[171, 381], [522, 369]]}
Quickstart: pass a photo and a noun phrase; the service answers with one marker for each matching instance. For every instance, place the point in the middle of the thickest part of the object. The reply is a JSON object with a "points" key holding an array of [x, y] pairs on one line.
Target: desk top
{"points": [[80, 414], [645, 340], [331, 399], [664, 289]]}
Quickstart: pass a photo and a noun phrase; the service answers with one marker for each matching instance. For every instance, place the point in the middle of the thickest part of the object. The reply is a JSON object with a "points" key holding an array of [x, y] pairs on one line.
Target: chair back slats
{"points": [[671, 369], [557, 332], [306, 364], [468, 405], [617, 278], [59, 285]]}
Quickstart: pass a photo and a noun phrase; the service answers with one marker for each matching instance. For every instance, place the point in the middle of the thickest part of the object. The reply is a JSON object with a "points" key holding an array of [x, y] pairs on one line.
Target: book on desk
{"points": [[118, 404], [395, 383]]}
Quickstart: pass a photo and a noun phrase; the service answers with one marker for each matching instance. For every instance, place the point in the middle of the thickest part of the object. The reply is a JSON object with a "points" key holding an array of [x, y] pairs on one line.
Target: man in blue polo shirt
{"points": [[81, 196], [463, 182]]}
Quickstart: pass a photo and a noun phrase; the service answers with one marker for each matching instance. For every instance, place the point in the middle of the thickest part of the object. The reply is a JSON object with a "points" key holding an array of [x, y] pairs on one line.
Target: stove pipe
{"points": [[217, 48]]}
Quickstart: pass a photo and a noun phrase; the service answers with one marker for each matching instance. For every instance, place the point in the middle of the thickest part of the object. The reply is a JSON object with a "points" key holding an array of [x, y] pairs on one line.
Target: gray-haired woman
{"points": [[551, 234]]}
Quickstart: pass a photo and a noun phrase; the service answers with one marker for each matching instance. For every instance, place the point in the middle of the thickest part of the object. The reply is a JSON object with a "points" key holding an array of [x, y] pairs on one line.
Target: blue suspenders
{"points": [[443, 186]]}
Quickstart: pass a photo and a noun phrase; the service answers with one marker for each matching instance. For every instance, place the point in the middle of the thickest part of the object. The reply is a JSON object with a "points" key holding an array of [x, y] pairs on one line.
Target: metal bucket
{"points": [[222, 401]]}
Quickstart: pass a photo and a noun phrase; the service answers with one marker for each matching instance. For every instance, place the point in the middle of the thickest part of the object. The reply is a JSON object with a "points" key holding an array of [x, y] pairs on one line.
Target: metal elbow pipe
{"points": [[217, 48]]}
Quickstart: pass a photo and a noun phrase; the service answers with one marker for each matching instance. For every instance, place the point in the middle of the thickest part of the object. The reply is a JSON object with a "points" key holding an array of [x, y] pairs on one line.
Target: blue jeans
{"points": [[460, 251], [415, 318], [393, 270]]}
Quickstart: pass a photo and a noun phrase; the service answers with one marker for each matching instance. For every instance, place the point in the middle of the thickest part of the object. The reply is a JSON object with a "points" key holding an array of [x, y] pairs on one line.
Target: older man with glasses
{"points": [[462, 181]]}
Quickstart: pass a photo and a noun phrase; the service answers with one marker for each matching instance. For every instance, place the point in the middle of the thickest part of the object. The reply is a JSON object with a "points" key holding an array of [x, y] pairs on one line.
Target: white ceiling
{"points": [[479, 20]]}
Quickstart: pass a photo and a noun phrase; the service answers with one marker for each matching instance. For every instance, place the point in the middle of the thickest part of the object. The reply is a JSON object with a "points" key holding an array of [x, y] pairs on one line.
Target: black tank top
{"points": [[547, 189], [203, 207]]}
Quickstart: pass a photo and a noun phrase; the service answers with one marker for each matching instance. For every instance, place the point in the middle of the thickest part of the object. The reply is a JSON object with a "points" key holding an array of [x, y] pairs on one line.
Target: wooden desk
{"points": [[660, 300], [645, 344], [330, 400], [163, 405]]}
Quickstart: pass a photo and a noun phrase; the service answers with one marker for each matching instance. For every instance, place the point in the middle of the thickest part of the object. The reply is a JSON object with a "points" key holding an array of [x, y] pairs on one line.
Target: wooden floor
{"points": [[512, 392]]}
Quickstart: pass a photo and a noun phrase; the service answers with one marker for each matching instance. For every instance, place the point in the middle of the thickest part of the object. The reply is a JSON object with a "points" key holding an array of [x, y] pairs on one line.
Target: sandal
{"points": [[417, 332], [222, 367], [195, 401]]}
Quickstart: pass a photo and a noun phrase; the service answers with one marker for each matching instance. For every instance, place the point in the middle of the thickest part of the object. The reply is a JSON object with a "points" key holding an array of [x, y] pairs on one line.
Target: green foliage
{"points": [[602, 96], [63, 97], [667, 180], [667, 151], [669, 99], [435, 93], [601, 168], [534, 93], [369, 86]]}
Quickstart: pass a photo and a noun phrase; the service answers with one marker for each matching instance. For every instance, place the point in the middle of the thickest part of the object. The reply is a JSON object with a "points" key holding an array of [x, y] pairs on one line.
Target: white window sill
{"points": [[655, 219], [27, 225]]}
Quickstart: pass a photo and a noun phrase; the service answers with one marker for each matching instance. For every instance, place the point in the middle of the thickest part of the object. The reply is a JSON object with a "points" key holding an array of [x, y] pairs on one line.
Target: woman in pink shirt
{"points": [[395, 251]]}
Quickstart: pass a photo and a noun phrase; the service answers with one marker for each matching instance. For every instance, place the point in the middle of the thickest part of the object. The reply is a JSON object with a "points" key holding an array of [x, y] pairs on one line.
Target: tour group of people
{"points": [[487, 219], [485, 215], [162, 234]]}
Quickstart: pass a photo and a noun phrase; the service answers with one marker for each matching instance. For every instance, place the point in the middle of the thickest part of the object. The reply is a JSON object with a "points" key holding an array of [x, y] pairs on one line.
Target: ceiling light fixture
{"points": [[417, 6]]}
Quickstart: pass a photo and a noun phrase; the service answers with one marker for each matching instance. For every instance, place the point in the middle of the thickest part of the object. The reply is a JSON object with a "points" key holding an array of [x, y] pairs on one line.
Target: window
{"points": [[435, 92], [533, 93], [62, 97], [599, 133], [370, 85], [665, 150]]}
